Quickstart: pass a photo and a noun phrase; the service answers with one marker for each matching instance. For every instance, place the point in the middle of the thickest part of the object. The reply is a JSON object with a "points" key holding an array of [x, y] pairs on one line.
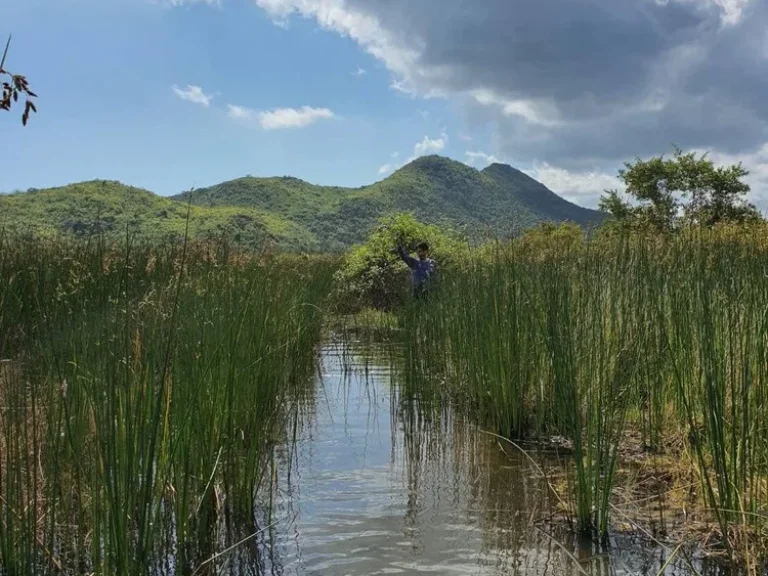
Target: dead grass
{"points": [[657, 497], [22, 449]]}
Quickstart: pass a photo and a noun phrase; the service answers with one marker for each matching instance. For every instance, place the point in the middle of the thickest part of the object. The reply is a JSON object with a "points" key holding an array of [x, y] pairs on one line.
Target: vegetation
{"points": [[14, 85], [141, 390], [144, 382], [373, 275], [294, 215], [686, 190], [112, 209], [661, 337], [155, 379], [498, 201]]}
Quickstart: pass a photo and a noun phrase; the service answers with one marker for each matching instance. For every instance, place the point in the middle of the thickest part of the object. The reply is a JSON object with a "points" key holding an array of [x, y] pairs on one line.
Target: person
{"points": [[422, 268]]}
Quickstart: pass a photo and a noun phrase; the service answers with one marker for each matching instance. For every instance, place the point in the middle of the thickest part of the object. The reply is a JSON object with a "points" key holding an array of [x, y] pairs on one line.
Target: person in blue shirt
{"points": [[422, 268]]}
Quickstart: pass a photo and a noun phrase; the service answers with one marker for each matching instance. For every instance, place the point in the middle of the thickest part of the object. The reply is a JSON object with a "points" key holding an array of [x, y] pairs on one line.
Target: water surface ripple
{"points": [[375, 488]]}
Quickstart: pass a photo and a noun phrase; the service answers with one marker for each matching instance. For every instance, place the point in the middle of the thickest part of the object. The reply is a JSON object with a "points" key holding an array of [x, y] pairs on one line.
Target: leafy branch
{"points": [[14, 85]]}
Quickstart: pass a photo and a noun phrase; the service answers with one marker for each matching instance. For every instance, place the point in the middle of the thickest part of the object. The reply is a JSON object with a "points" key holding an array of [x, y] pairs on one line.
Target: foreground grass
{"points": [[141, 391], [143, 387], [597, 341]]}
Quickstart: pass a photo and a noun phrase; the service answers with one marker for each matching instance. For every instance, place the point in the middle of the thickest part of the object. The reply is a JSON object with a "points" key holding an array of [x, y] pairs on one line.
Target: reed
{"points": [[596, 338], [142, 391]]}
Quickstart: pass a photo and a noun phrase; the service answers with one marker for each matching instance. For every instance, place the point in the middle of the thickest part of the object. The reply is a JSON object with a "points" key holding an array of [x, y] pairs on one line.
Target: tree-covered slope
{"points": [[294, 214], [536, 197], [115, 209]]}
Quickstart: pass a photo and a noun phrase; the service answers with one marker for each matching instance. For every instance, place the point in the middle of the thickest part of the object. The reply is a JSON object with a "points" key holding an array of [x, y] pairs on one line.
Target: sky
{"points": [[173, 94]]}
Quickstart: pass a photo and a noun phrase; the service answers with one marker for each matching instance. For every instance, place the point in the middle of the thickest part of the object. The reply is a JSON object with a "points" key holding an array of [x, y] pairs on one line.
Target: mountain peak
{"points": [[435, 162], [537, 197], [499, 168]]}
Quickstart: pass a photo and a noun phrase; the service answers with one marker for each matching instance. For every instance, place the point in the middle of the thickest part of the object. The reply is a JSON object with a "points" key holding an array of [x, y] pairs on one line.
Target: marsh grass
{"points": [[142, 391], [143, 388], [658, 336]]}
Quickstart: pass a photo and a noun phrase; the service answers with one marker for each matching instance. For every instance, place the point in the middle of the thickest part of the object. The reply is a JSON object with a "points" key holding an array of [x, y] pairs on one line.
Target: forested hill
{"points": [[497, 201]]}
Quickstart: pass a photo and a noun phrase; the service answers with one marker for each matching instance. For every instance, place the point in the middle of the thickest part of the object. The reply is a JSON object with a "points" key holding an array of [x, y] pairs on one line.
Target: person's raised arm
{"points": [[409, 260]]}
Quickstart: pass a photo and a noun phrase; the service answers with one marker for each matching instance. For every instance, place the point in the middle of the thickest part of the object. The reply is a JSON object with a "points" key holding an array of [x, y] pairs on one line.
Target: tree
{"points": [[665, 194], [13, 86]]}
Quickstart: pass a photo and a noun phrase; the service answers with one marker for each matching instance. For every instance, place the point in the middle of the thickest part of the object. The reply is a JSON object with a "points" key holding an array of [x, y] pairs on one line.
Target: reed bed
{"points": [[662, 339], [142, 389]]}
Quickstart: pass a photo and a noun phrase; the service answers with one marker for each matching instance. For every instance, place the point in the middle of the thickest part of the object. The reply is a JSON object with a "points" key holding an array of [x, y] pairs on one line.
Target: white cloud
{"points": [[584, 188], [424, 147], [194, 94], [732, 10], [292, 118], [429, 146], [241, 113], [540, 112], [280, 118], [400, 57], [399, 86], [361, 27], [482, 157], [176, 3], [360, 71]]}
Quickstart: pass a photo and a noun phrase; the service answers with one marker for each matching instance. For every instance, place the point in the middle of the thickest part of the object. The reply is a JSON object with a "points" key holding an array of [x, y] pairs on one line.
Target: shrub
{"points": [[372, 275]]}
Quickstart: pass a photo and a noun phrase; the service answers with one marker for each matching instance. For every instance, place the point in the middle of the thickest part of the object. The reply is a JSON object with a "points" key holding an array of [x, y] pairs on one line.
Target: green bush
{"points": [[372, 275], [549, 240]]}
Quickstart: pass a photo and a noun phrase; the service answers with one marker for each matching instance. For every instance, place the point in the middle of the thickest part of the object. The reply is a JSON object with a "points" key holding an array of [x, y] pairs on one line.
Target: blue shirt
{"points": [[421, 270]]}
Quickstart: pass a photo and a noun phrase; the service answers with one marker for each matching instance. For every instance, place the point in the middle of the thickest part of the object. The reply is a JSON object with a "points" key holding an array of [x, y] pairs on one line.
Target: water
{"points": [[374, 488]]}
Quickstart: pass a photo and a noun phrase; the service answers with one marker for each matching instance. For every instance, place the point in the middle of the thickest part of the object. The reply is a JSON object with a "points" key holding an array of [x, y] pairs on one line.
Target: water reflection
{"points": [[373, 485]]}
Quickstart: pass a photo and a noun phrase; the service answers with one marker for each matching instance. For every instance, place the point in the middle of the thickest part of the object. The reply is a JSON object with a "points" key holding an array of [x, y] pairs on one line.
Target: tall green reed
{"points": [[591, 340], [717, 335], [145, 389]]}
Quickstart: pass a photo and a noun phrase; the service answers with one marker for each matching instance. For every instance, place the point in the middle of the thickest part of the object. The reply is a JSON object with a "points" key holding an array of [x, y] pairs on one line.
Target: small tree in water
{"points": [[665, 194]]}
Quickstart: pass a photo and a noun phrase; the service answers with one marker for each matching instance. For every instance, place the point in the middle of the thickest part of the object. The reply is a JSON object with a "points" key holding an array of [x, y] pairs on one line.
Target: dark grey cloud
{"points": [[691, 122], [576, 83], [564, 49]]}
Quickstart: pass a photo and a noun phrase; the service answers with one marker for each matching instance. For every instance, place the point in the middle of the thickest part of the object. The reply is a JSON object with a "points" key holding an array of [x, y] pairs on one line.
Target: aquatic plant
{"points": [[655, 335], [141, 391]]}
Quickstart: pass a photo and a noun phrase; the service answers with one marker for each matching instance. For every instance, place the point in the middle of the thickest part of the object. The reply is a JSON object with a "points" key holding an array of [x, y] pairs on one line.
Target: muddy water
{"points": [[375, 488]]}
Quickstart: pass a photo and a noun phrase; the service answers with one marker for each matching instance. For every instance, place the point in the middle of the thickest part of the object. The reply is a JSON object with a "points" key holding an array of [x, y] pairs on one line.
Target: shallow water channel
{"points": [[374, 488]]}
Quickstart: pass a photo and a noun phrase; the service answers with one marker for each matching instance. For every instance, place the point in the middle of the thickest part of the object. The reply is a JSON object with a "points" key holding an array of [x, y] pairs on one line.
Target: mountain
{"points": [[114, 208], [497, 201], [537, 198]]}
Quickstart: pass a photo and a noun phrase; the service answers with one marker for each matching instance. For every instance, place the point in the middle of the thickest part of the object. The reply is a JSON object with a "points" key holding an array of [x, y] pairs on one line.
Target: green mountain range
{"points": [[495, 202]]}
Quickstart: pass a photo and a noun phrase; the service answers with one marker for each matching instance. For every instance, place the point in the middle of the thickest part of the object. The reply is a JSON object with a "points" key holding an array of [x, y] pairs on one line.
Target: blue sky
{"points": [[105, 72], [169, 94]]}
